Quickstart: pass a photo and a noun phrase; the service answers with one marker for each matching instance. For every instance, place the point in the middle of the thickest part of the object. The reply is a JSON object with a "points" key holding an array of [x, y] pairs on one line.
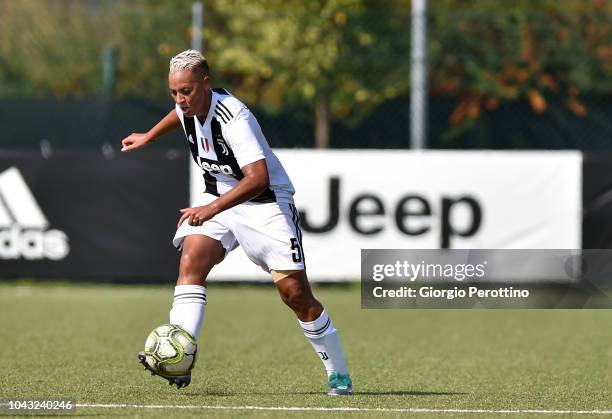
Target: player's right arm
{"points": [[137, 140]]}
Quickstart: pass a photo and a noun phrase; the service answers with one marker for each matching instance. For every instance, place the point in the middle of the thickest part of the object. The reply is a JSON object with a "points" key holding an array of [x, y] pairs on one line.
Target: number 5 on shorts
{"points": [[296, 253]]}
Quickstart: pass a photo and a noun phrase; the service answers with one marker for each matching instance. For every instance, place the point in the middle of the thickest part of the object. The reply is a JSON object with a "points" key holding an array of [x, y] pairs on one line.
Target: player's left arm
{"points": [[256, 180]]}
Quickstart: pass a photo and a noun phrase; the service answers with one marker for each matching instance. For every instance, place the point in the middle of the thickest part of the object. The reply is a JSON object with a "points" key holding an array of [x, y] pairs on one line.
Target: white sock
{"points": [[326, 343], [189, 307]]}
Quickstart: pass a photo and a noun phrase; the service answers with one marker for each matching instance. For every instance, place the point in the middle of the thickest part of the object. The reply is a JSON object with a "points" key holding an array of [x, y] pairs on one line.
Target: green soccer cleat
{"points": [[340, 385]]}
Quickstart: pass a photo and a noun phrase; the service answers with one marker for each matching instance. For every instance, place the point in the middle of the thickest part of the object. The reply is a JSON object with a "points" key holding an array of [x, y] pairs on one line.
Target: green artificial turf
{"points": [[80, 342]]}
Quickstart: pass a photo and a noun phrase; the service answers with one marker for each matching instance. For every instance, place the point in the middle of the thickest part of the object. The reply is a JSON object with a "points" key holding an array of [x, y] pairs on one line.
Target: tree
{"points": [[54, 48], [489, 52], [148, 34], [49, 48], [341, 57]]}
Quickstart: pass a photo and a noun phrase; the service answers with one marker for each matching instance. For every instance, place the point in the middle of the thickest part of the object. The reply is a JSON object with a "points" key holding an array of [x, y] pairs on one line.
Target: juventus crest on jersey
{"points": [[229, 139]]}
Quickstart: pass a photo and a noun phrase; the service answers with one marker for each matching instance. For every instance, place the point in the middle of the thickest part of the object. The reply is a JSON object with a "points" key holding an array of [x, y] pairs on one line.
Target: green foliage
{"points": [[49, 48], [272, 53], [350, 55], [54, 48], [148, 34], [277, 52], [488, 52]]}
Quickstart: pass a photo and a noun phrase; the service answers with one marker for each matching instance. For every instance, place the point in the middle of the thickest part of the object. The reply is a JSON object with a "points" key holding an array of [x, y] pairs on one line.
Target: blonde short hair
{"points": [[190, 60]]}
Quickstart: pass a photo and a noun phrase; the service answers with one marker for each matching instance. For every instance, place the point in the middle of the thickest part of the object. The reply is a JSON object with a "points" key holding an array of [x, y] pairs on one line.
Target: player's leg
{"points": [[202, 247], [270, 235], [318, 328], [295, 291], [200, 253]]}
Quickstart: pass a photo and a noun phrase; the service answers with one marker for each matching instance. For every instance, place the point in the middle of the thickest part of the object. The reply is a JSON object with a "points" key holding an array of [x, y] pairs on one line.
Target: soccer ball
{"points": [[170, 350]]}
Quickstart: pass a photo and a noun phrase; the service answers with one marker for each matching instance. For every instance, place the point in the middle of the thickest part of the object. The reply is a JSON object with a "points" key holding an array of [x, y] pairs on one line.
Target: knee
{"points": [[299, 299], [193, 268], [189, 262]]}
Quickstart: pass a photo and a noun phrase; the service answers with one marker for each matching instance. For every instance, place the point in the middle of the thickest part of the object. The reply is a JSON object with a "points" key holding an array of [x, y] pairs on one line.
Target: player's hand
{"points": [[197, 215], [134, 141]]}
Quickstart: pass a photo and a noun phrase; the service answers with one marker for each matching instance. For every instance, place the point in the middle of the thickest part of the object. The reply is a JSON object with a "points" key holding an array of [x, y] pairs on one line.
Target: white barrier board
{"points": [[354, 199]]}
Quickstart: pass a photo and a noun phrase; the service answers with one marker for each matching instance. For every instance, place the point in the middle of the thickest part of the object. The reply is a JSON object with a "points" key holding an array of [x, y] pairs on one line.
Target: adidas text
{"points": [[29, 244]]}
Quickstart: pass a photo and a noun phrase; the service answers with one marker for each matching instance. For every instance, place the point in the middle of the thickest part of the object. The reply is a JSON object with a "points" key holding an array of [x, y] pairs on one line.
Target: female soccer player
{"points": [[248, 201]]}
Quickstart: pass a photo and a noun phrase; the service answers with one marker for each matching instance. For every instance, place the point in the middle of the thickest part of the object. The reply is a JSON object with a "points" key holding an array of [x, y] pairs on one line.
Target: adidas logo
{"points": [[24, 229]]}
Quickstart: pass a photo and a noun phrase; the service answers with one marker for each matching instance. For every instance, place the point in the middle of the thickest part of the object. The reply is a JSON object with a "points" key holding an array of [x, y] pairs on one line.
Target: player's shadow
{"points": [[409, 393], [221, 393]]}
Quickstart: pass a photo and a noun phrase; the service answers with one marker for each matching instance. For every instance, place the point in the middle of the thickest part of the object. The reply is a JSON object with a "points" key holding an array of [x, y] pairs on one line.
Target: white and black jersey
{"points": [[230, 139]]}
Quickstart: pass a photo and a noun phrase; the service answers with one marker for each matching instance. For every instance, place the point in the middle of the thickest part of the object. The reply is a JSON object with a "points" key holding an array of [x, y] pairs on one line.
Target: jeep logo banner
{"points": [[373, 199], [78, 215]]}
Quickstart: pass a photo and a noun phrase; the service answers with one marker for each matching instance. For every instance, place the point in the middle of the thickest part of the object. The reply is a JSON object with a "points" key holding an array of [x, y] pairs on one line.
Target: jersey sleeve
{"points": [[242, 136]]}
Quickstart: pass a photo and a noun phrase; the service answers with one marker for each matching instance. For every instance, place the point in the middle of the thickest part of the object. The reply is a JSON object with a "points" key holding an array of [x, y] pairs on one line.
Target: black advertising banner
{"points": [[596, 201], [84, 215]]}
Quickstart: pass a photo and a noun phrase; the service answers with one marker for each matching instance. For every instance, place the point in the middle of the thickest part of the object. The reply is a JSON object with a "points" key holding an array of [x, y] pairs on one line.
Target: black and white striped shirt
{"points": [[230, 139]]}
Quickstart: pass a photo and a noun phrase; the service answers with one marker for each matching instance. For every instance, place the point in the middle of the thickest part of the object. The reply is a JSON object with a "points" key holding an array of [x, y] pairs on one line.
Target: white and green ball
{"points": [[171, 350]]}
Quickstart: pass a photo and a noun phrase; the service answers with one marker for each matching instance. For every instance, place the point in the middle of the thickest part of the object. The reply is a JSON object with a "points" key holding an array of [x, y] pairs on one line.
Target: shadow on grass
{"points": [[409, 393], [221, 393]]}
